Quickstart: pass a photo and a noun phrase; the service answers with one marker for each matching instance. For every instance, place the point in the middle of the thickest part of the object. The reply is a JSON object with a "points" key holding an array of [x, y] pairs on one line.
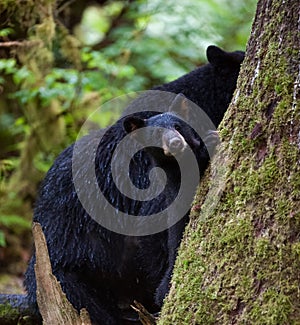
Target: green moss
{"points": [[296, 250], [241, 259], [6, 310], [274, 307]]}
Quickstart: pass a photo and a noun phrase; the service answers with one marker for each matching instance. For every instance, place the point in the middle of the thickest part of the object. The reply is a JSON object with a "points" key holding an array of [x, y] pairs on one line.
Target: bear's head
{"points": [[167, 130]]}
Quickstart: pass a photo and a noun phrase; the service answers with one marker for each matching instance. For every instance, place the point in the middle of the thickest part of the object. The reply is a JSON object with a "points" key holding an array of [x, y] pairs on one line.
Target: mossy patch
{"points": [[6, 309], [239, 261]]}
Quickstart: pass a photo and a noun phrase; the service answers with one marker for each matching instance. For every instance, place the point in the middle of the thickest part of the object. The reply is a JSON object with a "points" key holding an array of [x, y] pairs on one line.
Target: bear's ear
{"points": [[132, 123], [179, 106], [219, 58]]}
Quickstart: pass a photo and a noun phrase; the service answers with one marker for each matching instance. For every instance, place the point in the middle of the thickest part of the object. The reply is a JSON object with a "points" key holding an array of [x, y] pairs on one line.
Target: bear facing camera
{"points": [[105, 271]]}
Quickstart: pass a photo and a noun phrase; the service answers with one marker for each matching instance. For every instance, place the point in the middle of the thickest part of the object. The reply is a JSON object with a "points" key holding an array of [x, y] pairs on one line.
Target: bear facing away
{"points": [[210, 86], [102, 270]]}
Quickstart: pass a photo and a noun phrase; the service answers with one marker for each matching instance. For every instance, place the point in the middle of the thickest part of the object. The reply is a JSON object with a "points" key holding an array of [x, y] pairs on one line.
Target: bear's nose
{"points": [[176, 145]]}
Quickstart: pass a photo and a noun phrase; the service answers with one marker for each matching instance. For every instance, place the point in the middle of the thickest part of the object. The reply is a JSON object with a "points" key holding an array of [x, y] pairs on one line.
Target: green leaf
{"points": [[6, 32], [14, 220], [2, 239], [8, 65]]}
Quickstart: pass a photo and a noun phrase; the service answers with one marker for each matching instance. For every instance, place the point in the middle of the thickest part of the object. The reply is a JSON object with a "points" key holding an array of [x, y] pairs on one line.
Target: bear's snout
{"points": [[173, 143], [176, 145]]}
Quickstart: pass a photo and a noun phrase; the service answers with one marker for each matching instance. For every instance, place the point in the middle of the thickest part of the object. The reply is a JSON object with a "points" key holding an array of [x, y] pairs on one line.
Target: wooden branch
{"points": [[53, 304], [145, 317], [19, 44]]}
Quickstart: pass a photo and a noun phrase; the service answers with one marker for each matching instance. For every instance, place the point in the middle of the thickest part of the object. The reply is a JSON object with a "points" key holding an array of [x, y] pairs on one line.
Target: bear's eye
{"points": [[177, 127]]}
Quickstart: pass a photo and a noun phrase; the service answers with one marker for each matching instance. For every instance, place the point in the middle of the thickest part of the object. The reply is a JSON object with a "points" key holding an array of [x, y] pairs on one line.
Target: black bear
{"points": [[100, 269], [104, 270], [210, 86]]}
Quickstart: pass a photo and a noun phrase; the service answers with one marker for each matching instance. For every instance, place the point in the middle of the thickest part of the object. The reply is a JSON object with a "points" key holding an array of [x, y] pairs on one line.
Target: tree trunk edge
{"points": [[240, 265]]}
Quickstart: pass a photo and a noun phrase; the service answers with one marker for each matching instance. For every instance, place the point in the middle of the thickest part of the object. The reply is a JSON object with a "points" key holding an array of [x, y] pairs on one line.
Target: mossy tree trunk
{"points": [[240, 257], [46, 127]]}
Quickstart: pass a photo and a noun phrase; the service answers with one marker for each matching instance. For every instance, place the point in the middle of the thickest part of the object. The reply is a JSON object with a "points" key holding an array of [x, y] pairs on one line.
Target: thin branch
{"points": [[145, 317], [19, 44]]}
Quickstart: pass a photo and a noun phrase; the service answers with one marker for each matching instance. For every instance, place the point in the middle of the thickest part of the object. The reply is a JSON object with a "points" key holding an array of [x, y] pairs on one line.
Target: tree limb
{"points": [[53, 304]]}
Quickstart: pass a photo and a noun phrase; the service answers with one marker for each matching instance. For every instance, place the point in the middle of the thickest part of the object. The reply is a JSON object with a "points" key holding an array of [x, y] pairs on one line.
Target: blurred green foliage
{"points": [[119, 47]]}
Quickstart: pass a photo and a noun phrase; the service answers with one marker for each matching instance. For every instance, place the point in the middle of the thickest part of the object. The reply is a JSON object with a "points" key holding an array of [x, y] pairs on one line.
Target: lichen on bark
{"points": [[239, 262]]}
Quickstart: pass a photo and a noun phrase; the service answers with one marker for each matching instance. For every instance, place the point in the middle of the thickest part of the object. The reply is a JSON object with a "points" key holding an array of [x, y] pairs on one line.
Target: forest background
{"points": [[61, 60]]}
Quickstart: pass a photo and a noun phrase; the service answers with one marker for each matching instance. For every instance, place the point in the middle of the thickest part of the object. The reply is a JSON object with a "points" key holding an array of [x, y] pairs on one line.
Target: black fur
{"points": [[99, 269]]}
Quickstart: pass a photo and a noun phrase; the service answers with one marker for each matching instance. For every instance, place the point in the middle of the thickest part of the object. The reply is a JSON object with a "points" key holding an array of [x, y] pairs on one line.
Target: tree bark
{"points": [[240, 256], [53, 304]]}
